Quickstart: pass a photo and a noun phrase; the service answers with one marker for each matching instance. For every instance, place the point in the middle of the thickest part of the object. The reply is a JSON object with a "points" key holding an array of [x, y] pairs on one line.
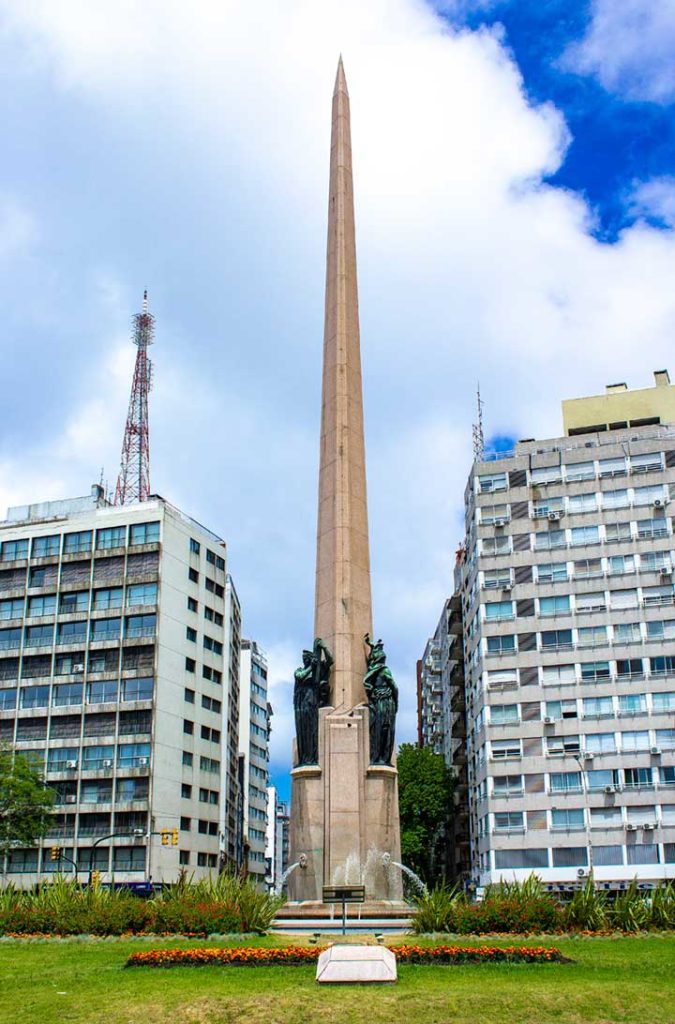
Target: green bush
{"points": [[64, 907]]}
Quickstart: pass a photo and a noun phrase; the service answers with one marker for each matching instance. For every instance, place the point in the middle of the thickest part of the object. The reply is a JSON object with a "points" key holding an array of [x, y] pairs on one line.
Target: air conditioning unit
{"points": [[553, 517], [548, 720], [587, 756], [78, 668], [501, 521], [658, 503], [71, 798], [143, 761], [71, 764], [107, 763], [631, 828], [610, 789], [655, 751], [507, 588], [581, 872], [649, 826], [666, 570]]}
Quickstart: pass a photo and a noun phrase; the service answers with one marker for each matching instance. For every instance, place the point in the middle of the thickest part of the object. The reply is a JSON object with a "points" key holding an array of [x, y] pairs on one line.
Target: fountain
{"points": [[301, 862], [415, 879]]}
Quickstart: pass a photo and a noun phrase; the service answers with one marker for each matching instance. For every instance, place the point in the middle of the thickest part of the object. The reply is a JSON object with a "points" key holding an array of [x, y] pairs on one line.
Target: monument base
{"points": [[344, 816], [356, 965]]}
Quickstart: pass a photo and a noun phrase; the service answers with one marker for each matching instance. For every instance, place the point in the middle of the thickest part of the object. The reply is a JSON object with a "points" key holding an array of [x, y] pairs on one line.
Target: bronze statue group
{"points": [[312, 691]]}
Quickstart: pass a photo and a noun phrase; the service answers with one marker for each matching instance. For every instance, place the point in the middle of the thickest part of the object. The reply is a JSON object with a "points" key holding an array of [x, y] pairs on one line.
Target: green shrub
{"points": [[587, 909]]}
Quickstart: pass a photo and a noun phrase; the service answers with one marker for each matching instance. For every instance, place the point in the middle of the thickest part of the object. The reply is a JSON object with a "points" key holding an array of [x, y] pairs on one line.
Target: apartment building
{"points": [[276, 840], [566, 585], [254, 731], [118, 678]]}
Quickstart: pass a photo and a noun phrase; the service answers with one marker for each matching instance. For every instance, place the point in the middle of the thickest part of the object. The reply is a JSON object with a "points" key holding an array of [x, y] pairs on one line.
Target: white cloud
{"points": [[629, 47], [470, 268], [655, 198]]}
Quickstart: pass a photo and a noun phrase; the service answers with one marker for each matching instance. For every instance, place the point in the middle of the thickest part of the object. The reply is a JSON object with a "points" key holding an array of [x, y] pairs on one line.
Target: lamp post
{"points": [[580, 759], [112, 835]]}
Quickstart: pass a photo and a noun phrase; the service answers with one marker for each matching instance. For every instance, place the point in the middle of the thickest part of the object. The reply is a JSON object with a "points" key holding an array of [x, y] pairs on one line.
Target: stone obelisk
{"points": [[344, 826]]}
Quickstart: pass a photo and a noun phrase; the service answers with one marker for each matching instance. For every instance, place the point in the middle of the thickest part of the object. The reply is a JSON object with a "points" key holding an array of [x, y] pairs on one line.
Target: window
{"points": [[189, 696], [213, 674], [96, 758], [103, 692], [39, 636], [556, 639], [220, 563], [568, 818], [587, 568], [74, 543], [649, 529], [211, 734], [495, 545], [138, 689], [649, 495], [594, 671], [580, 535], [627, 633], [10, 639], [502, 749], [133, 755], [638, 778], [662, 702], [598, 707], [612, 467], [504, 714], [528, 859], [213, 645], [195, 546], [191, 634], [621, 565], [615, 499], [188, 727], [13, 550], [501, 644], [600, 742], [100, 661], [210, 557], [63, 759], [633, 704], [488, 483], [193, 575], [209, 764], [498, 610], [108, 598], [552, 572], [646, 463], [71, 632], [560, 709], [141, 594], [144, 533], [139, 625], [211, 704], [548, 540], [600, 778], [606, 817], [188, 758], [208, 614], [582, 502], [545, 475], [490, 514], [42, 606], [635, 740], [558, 675], [507, 821], [192, 604], [105, 629], [507, 785], [645, 853], [667, 775], [591, 602], [76, 601], [580, 471], [557, 746], [653, 596], [8, 699], [186, 791], [565, 782], [44, 547], [663, 665], [190, 664], [12, 609], [592, 636], [662, 630], [502, 677], [184, 858], [617, 532], [113, 537], [554, 605], [542, 508], [67, 693]]}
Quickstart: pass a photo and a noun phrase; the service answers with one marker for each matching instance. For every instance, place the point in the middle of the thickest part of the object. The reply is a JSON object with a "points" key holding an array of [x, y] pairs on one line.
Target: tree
{"points": [[25, 801], [425, 806]]}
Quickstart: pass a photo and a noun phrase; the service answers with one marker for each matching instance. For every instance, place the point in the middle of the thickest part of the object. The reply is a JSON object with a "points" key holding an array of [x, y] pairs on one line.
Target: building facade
{"points": [[117, 641], [276, 840], [254, 731]]}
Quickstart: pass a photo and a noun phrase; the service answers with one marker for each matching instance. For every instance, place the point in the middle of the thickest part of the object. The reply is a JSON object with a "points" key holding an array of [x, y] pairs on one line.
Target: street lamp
{"points": [[138, 832], [581, 759]]}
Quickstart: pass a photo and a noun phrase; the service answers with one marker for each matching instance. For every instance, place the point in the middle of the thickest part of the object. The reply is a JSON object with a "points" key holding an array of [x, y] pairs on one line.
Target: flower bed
{"points": [[296, 955]]}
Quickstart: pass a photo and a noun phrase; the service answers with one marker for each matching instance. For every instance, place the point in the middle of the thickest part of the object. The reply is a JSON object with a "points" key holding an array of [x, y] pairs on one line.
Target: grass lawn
{"points": [[629, 980]]}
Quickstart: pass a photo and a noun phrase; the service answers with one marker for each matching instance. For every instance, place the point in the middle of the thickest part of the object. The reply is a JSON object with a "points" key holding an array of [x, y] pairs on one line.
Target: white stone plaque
{"points": [[356, 964]]}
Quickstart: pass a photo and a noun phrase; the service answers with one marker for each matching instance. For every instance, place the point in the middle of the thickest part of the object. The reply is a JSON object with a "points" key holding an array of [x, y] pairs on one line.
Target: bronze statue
{"points": [[312, 691], [382, 694]]}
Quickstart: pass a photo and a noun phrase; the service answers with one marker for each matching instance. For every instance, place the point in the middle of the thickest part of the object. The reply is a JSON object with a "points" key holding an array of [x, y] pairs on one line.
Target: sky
{"points": [[514, 165]]}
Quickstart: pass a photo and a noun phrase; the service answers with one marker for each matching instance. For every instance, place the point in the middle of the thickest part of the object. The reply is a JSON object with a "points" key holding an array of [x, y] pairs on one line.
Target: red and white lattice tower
{"points": [[133, 483]]}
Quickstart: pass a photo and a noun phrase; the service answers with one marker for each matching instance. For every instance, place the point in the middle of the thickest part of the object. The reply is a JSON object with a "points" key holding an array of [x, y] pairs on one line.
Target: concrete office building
{"points": [[254, 730], [569, 635], [276, 839], [115, 631]]}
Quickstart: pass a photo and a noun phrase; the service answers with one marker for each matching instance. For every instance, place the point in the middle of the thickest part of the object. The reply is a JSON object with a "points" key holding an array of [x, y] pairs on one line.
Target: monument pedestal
{"points": [[345, 815]]}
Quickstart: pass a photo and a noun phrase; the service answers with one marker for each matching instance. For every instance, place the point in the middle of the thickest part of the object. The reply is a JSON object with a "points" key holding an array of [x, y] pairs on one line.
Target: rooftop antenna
{"points": [[133, 482], [477, 430]]}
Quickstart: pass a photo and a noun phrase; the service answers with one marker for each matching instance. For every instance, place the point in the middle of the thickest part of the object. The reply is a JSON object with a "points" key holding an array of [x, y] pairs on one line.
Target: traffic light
{"points": [[55, 853], [165, 836], [96, 878], [174, 837]]}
